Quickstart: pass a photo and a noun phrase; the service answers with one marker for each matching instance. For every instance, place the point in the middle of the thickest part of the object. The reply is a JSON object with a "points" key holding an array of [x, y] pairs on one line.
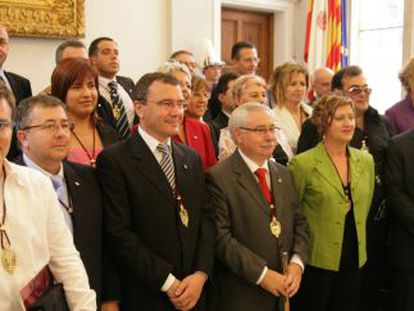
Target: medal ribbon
{"points": [[3, 233]]}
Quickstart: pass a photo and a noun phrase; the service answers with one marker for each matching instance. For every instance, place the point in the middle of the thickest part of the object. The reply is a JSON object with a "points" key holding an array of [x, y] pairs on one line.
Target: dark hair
{"points": [[324, 110], [176, 53], [337, 80], [223, 82], [27, 105], [64, 45], [350, 71], [8, 96], [93, 47], [67, 72], [237, 47], [145, 82]]}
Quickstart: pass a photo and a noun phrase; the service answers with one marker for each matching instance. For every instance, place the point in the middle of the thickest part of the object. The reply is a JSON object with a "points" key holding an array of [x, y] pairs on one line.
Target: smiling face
{"points": [[342, 125], [197, 105], [361, 99], [82, 97], [42, 145]]}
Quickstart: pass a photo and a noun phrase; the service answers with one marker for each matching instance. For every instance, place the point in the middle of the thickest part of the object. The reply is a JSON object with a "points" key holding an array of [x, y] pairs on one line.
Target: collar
{"points": [[30, 163], [253, 165], [151, 142], [226, 113], [104, 81]]}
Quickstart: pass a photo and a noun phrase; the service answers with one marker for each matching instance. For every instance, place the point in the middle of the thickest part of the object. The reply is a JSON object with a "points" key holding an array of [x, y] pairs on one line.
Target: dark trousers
{"points": [[324, 290], [402, 285]]}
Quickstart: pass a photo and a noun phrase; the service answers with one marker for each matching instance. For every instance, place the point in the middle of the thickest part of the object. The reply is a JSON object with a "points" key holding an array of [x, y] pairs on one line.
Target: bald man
{"points": [[321, 81]]}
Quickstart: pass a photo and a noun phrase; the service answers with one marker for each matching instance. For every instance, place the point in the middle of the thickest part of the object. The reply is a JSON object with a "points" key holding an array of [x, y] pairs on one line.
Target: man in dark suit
{"points": [[258, 219], [44, 133], [399, 177], [19, 85], [160, 231], [115, 92]]}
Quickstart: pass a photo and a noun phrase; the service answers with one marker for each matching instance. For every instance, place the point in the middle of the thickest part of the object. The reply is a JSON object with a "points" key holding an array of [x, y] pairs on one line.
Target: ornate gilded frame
{"points": [[44, 18]]}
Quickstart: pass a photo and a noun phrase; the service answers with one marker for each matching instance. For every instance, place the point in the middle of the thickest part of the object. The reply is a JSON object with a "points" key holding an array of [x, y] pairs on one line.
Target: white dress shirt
{"points": [[126, 99], [39, 237]]}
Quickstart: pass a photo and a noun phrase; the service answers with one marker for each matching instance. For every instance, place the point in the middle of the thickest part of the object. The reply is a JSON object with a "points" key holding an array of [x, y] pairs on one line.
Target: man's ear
{"points": [[138, 106], [22, 138]]}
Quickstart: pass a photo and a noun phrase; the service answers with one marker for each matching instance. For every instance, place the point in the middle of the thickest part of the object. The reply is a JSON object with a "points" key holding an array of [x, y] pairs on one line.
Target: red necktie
{"points": [[261, 175]]}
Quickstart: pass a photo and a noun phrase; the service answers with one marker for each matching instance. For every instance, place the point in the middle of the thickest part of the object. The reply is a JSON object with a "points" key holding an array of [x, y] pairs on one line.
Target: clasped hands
{"points": [[286, 284], [184, 294]]}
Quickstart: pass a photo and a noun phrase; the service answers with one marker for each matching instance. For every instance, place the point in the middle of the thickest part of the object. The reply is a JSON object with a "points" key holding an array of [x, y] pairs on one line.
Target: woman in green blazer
{"points": [[335, 185]]}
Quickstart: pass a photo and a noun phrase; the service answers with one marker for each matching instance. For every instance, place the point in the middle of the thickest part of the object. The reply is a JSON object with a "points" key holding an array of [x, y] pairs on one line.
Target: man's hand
{"points": [[171, 291], [188, 292], [294, 277], [110, 306], [275, 283]]}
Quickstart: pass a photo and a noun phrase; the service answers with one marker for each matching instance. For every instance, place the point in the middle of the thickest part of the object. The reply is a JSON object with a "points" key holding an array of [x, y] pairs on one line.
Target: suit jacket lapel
{"points": [[149, 166], [327, 170], [277, 184], [247, 181], [182, 172], [355, 171]]}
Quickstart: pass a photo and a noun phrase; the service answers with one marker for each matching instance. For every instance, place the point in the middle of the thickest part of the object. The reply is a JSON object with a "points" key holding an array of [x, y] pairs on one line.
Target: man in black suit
{"points": [[115, 92], [399, 177], [19, 85], [160, 230], [44, 134]]}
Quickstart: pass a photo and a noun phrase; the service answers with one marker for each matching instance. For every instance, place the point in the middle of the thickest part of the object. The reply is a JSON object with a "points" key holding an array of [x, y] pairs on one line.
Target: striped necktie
{"points": [[167, 164], [120, 116]]}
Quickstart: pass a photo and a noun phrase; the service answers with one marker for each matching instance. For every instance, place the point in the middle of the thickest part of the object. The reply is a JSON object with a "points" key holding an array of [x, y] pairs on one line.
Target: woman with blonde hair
{"points": [[288, 86]]}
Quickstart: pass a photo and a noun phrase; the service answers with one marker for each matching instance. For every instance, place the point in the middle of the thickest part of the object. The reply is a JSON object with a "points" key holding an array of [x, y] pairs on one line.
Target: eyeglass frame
{"points": [[50, 126], [5, 125], [261, 130], [359, 89]]}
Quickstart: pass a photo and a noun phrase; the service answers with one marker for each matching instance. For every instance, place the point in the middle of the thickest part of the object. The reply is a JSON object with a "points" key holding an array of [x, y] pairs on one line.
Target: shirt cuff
{"points": [[261, 277], [296, 259], [168, 282]]}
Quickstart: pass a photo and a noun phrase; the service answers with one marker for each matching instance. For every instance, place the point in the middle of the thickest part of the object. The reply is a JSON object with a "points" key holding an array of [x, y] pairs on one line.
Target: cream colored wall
{"points": [[148, 31]]}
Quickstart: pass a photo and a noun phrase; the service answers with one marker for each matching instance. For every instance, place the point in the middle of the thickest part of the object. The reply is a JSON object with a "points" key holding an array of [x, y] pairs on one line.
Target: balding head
{"points": [[321, 81], [4, 45]]}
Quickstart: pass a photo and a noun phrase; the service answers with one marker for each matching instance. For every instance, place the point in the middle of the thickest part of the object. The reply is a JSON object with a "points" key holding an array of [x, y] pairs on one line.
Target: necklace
{"points": [[91, 157], [8, 256]]}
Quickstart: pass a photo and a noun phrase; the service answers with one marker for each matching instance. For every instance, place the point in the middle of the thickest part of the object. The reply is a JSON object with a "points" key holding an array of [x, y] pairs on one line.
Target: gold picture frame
{"points": [[44, 18]]}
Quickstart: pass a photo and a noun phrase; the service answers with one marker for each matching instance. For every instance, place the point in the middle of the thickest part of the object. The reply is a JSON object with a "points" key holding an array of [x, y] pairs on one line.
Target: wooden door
{"points": [[255, 27]]}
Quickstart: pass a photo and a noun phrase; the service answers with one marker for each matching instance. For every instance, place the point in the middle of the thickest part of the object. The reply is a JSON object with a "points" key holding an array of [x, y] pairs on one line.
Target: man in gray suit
{"points": [[258, 219]]}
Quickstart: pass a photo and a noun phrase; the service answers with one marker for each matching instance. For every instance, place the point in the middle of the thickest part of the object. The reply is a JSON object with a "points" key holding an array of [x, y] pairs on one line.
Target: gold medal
{"points": [[8, 260], [184, 215], [275, 227], [117, 112]]}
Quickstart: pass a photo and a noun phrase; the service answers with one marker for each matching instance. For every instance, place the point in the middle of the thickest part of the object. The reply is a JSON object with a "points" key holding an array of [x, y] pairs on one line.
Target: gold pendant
{"points": [[364, 146], [93, 163], [275, 227], [9, 260], [117, 112], [184, 216]]}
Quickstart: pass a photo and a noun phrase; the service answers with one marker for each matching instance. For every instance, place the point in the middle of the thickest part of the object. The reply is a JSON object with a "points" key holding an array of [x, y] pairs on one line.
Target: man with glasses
{"points": [[160, 230], [33, 231], [44, 134], [259, 222], [372, 133], [245, 58], [186, 58]]}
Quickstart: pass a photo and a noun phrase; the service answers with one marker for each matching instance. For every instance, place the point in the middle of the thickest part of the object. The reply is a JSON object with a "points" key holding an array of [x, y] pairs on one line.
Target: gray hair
{"points": [[240, 116], [66, 44], [172, 66], [241, 82]]}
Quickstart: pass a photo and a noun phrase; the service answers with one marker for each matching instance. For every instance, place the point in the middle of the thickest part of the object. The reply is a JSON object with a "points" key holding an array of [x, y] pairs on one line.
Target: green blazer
{"points": [[324, 204]]}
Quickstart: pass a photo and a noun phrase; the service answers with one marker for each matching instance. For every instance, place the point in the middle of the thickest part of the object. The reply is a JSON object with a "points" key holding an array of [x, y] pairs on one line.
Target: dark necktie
{"points": [[167, 164], [261, 175], [118, 109]]}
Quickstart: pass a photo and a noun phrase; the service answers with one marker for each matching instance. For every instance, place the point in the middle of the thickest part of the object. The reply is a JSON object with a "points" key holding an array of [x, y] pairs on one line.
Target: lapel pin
{"points": [[195, 137], [185, 166], [77, 183], [279, 180]]}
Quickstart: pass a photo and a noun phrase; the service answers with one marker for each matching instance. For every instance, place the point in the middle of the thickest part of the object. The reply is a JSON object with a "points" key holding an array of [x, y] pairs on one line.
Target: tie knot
{"points": [[113, 85], [164, 148], [57, 182], [260, 173]]}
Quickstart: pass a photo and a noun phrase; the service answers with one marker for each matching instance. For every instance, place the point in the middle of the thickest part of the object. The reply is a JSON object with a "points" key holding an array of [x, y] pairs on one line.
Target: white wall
{"points": [[148, 31]]}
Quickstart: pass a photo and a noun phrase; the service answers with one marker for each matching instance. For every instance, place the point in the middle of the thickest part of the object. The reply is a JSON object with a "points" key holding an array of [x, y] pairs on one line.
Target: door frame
{"points": [[283, 11]]}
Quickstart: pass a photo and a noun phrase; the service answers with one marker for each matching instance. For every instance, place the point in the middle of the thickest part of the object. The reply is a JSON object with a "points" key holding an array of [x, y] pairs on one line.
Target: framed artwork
{"points": [[44, 18]]}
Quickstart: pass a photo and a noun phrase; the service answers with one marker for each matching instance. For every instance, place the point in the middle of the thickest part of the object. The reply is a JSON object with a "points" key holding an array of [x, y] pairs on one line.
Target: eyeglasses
{"points": [[261, 130], [51, 127], [168, 104], [357, 90], [6, 125]]}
